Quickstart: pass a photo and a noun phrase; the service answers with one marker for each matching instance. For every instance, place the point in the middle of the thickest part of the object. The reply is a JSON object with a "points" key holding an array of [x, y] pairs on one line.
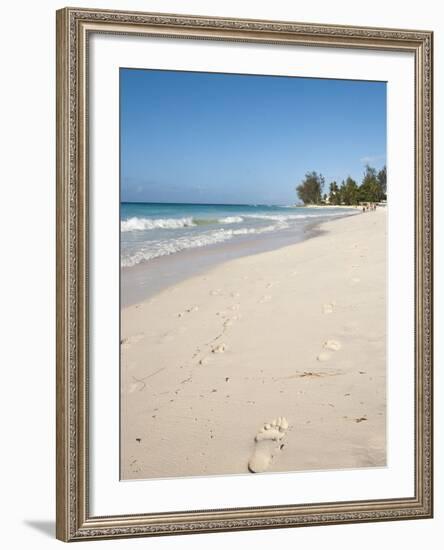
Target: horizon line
{"points": [[207, 203]]}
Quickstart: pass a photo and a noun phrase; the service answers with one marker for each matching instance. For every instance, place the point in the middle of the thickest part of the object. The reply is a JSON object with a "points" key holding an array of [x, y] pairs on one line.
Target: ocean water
{"points": [[154, 230]]}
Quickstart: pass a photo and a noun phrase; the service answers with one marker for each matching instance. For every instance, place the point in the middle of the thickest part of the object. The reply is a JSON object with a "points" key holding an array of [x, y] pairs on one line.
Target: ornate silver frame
{"points": [[74, 521]]}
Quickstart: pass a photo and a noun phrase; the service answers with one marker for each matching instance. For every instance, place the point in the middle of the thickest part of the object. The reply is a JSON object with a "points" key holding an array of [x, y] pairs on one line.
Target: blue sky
{"points": [[238, 139]]}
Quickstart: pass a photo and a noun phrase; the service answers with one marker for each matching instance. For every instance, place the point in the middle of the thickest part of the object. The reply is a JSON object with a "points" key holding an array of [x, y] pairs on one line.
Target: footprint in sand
{"points": [[216, 292], [332, 345], [272, 284], [134, 466], [265, 299], [220, 348], [188, 310], [267, 444], [328, 308], [129, 340], [328, 346], [138, 384]]}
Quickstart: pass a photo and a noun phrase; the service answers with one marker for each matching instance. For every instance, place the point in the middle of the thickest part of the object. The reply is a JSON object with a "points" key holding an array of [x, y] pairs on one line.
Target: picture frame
{"points": [[75, 518]]}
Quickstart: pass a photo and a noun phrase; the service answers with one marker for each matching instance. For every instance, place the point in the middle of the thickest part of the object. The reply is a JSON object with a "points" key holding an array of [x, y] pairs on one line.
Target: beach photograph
{"points": [[253, 274]]}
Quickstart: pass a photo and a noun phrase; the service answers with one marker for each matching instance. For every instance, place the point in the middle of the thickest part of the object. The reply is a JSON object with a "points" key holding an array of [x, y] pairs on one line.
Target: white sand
{"points": [[296, 336]]}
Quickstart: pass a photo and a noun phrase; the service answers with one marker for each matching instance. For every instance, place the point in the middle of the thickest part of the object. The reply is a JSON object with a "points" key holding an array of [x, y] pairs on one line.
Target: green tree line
{"points": [[373, 188]]}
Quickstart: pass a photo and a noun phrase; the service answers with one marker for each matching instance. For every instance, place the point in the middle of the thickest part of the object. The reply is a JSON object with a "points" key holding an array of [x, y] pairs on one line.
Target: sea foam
{"points": [[147, 237], [143, 224], [156, 249]]}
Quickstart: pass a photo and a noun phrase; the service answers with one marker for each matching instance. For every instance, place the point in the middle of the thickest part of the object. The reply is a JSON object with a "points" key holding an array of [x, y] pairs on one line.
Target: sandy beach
{"points": [[267, 363]]}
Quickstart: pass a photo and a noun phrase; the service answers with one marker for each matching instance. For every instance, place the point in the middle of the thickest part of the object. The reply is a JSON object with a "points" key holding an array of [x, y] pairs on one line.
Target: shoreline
{"points": [[195, 379], [145, 280], [348, 206]]}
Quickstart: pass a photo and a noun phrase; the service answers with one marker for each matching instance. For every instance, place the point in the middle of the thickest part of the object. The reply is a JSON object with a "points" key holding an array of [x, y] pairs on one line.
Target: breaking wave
{"points": [[145, 224], [155, 249], [142, 224]]}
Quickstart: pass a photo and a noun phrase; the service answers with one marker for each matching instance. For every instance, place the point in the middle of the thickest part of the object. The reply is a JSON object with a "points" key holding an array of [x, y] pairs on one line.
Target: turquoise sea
{"points": [[154, 230]]}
